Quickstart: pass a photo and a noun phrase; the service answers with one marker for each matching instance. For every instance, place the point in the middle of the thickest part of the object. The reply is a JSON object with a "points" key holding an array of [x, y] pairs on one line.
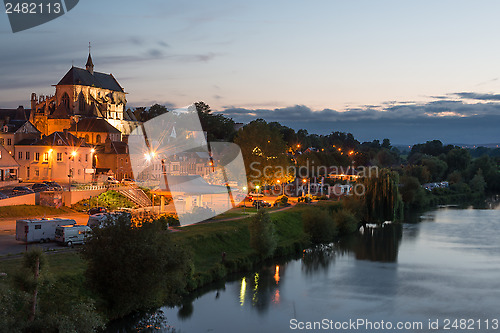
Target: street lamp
{"points": [[257, 188], [244, 199]]}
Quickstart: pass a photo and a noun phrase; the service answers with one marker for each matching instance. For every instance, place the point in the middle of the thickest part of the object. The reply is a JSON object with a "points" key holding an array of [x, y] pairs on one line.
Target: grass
{"points": [[209, 240], [60, 265], [22, 211]]}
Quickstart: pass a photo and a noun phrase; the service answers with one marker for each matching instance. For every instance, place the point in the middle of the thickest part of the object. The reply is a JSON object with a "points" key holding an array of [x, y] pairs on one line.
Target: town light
{"points": [[351, 152], [304, 180], [51, 150], [73, 153], [244, 188], [147, 157], [257, 187], [278, 181], [92, 150]]}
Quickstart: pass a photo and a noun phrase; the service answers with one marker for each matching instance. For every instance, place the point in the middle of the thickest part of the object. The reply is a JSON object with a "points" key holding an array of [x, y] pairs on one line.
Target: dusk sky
{"points": [[409, 71]]}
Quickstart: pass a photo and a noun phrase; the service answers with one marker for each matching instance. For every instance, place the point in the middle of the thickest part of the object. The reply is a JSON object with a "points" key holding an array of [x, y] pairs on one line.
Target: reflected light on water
{"points": [[255, 298], [242, 291], [277, 274], [276, 298]]}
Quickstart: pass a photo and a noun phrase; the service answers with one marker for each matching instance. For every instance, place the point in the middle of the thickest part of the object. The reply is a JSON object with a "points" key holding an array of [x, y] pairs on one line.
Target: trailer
{"points": [[39, 230]]}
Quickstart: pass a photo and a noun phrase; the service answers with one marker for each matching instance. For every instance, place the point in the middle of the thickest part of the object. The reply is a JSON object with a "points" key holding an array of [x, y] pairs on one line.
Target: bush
{"points": [[109, 199], [262, 233], [319, 225], [281, 201], [346, 222], [134, 268], [167, 220]]}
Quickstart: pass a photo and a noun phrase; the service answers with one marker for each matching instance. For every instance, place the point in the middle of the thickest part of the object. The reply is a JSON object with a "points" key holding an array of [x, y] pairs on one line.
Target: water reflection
{"points": [[379, 243]]}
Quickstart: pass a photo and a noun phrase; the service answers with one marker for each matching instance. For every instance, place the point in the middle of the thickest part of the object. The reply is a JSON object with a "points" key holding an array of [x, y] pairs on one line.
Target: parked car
{"points": [[112, 180], [128, 181], [261, 203], [53, 186], [97, 210], [20, 190], [40, 187]]}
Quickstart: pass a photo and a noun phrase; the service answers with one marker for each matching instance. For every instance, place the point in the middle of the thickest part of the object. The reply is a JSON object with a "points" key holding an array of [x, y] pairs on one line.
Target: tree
{"points": [[477, 184], [41, 304], [262, 233], [217, 126], [319, 225], [134, 267], [264, 153], [155, 111], [382, 198]]}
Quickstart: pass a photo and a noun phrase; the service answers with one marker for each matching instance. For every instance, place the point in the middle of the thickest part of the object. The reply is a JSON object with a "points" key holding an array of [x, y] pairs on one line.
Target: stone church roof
{"points": [[80, 76]]}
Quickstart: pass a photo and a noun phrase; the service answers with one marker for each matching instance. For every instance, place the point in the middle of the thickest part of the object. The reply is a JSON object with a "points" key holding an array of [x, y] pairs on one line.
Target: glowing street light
{"points": [[73, 153]]}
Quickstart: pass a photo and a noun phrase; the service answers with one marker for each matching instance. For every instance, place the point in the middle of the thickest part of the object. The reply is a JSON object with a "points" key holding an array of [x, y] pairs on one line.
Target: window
{"points": [[9, 142], [20, 155], [37, 172], [38, 226], [79, 171], [27, 155], [45, 157], [59, 157], [86, 138], [2, 141], [86, 157], [65, 100], [37, 156], [98, 138]]}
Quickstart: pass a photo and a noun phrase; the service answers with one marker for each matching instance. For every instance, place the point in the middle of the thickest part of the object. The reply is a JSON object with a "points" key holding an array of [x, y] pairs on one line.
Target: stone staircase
{"points": [[136, 195]]}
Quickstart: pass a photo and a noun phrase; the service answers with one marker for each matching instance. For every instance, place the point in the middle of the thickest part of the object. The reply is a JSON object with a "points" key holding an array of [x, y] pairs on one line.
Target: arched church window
{"points": [[98, 138], [81, 103], [65, 100]]}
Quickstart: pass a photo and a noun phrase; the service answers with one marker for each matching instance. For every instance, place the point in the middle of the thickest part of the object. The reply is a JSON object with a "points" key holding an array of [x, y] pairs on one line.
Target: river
{"points": [[445, 267]]}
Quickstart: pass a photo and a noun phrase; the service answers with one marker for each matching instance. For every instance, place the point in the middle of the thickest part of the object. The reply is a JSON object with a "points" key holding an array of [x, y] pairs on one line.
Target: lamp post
{"points": [[257, 187], [244, 199]]}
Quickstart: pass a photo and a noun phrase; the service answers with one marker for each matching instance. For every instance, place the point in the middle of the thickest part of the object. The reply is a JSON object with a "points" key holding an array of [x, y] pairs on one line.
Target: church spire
{"points": [[89, 66]]}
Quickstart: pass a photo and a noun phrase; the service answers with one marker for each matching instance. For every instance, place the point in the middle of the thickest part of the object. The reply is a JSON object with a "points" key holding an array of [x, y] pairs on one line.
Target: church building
{"points": [[82, 93]]}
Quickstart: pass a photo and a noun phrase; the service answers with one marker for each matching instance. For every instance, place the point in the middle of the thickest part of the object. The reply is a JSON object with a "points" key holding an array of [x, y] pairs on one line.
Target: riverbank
{"points": [[206, 242]]}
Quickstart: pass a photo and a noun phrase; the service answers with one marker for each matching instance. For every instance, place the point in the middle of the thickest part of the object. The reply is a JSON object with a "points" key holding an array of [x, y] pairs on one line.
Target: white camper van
{"points": [[39, 230], [103, 219], [72, 234]]}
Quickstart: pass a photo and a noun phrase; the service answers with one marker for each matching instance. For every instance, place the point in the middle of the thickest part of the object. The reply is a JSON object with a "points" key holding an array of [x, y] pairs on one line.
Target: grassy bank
{"points": [[23, 211]]}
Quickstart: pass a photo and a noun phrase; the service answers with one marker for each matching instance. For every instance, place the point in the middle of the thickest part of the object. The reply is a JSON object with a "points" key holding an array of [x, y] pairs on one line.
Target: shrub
{"points": [[262, 233], [346, 222], [281, 201], [319, 225]]}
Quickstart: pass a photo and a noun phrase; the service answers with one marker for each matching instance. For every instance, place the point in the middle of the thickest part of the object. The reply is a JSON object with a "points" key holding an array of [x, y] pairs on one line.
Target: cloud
{"points": [[452, 121], [478, 96]]}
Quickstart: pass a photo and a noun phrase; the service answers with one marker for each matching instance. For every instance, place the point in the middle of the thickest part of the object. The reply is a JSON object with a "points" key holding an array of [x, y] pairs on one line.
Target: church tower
{"points": [[89, 66]]}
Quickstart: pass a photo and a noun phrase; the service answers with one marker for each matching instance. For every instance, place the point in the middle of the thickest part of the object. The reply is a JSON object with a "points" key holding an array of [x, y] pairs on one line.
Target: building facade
{"points": [[60, 157]]}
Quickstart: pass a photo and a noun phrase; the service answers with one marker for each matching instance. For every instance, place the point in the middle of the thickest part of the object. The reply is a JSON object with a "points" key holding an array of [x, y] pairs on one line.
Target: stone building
{"points": [[82, 93], [59, 157]]}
